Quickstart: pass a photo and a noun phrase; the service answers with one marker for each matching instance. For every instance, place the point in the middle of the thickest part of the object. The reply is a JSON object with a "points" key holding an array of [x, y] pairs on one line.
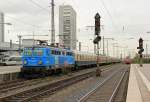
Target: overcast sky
{"points": [[122, 19]]}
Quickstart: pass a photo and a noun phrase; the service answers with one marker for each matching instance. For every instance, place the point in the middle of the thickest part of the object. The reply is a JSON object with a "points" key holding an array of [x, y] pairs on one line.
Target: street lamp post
{"points": [[113, 44], [2, 39], [117, 51], [146, 47], [79, 46], [107, 45], [19, 36], [107, 39], [103, 45]]}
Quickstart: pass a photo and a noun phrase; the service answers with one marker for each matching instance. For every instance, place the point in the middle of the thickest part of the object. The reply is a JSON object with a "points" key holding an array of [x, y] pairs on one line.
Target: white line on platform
{"points": [[145, 80]]}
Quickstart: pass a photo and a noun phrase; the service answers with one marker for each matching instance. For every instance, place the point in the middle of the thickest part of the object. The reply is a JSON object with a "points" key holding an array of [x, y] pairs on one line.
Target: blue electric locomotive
{"points": [[42, 60]]}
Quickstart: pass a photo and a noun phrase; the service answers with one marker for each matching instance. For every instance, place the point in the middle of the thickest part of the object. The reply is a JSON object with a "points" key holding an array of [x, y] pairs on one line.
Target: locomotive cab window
{"points": [[69, 54], [33, 52], [63, 52]]}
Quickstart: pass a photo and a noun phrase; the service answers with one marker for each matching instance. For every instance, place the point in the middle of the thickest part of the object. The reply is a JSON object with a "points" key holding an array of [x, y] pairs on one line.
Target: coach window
{"points": [[59, 53], [70, 53], [52, 52], [67, 53], [63, 53], [56, 52]]}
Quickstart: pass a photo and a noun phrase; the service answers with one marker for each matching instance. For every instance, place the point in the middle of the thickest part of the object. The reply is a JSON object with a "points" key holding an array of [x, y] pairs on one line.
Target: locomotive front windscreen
{"points": [[33, 52]]}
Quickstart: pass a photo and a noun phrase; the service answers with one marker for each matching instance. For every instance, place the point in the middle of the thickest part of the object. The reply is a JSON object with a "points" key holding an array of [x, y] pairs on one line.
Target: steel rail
{"points": [[117, 87], [85, 97]]}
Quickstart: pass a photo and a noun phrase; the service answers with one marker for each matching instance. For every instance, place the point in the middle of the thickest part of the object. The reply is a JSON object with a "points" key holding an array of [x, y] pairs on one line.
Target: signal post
{"points": [[140, 51], [96, 41]]}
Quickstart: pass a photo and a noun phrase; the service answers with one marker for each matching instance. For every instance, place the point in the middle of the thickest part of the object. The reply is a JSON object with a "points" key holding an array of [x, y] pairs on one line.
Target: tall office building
{"points": [[1, 27], [67, 26]]}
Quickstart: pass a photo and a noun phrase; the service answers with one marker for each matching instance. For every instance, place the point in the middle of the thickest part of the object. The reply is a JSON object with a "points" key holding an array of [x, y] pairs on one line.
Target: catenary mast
{"points": [[52, 24]]}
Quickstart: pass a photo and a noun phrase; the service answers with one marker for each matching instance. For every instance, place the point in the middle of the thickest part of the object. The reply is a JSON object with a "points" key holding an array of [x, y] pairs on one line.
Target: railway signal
{"points": [[97, 24], [97, 40], [141, 50]]}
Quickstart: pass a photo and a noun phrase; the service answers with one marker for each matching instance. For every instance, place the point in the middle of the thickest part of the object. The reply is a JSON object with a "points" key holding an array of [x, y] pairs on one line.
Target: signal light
{"points": [[97, 39], [140, 51], [97, 24], [140, 43], [140, 47]]}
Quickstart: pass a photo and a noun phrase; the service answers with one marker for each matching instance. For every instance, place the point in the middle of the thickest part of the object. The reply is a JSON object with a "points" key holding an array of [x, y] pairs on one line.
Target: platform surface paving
{"points": [[9, 69], [139, 83]]}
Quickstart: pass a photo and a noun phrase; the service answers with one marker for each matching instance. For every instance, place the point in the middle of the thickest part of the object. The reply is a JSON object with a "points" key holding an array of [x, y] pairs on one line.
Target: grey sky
{"points": [[133, 15]]}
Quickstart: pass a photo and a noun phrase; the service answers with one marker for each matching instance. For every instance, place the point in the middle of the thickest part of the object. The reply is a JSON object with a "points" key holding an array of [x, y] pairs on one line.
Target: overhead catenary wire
{"points": [[20, 20], [24, 23], [38, 5], [107, 11]]}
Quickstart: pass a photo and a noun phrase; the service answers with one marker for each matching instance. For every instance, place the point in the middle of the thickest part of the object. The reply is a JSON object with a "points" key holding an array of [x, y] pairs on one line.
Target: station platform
{"points": [[8, 73], [139, 84]]}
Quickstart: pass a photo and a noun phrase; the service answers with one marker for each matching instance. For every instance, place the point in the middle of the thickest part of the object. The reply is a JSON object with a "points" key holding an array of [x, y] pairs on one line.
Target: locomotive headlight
{"points": [[24, 62], [40, 62]]}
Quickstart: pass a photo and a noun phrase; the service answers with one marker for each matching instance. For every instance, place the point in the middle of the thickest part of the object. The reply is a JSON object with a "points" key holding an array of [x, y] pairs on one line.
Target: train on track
{"points": [[43, 60], [127, 60]]}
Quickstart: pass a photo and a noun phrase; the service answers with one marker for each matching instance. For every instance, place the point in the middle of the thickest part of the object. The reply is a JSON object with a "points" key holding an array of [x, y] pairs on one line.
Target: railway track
{"points": [[36, 93], [49, 89], [121, 93], [8, 84], [20, 83], [108, 90]]}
